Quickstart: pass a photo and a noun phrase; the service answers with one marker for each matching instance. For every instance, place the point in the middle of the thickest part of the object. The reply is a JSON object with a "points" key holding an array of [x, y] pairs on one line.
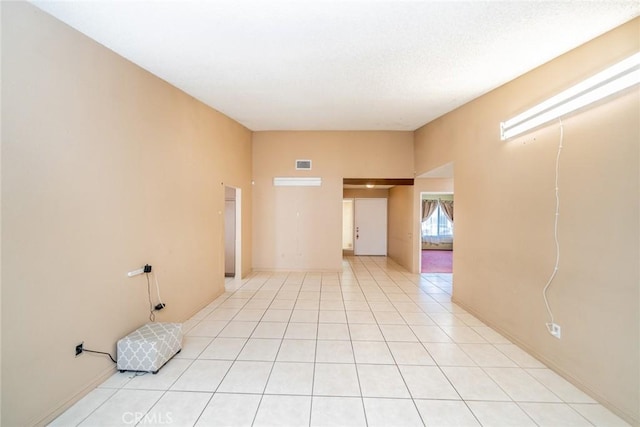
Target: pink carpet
{"points": [[437, 261]]}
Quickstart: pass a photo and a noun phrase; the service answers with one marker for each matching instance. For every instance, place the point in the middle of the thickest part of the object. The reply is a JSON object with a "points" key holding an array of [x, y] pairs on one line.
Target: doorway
{"points": [[436, 230], [370, 227], [232, 232]]}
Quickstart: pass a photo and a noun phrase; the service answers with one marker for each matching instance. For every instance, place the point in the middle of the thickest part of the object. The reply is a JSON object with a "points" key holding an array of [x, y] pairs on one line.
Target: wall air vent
{"points": [[303, 165], [297, 181]]}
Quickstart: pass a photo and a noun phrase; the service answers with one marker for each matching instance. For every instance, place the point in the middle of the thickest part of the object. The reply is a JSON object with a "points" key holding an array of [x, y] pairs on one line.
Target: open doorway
{"points": [[436, 230], [232, 232]]}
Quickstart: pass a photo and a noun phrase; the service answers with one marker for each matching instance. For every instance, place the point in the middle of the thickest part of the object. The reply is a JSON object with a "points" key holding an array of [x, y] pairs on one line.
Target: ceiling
{"points": [[339, 65]]}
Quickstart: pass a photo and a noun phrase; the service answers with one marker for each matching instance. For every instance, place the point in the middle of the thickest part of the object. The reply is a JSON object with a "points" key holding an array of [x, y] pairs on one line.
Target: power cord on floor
{"points": [[555, 232], [100, 352]]}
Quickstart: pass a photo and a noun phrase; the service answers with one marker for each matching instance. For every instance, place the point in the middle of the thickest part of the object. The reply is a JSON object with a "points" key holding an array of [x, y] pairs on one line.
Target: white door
{"points": [[370, 227]]}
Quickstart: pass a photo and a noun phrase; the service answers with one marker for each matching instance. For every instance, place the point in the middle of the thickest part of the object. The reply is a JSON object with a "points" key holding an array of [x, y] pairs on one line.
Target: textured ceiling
{"points": [[339, 65]]}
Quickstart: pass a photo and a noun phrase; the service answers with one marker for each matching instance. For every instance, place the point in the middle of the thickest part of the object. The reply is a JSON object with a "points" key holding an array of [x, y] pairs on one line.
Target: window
{"points": [[437, 226]]}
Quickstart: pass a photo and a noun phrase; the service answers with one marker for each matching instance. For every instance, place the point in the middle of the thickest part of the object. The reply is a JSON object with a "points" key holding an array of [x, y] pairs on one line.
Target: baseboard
{"points": [[551, 365]]}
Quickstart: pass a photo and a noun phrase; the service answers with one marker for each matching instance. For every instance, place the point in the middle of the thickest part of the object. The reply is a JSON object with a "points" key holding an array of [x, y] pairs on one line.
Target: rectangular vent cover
{"points": [[303, 165]]}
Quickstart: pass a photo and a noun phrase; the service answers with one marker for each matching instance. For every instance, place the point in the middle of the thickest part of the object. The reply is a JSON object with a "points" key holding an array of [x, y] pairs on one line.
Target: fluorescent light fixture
{"points": [[370, 185], [293, 181], [620, 76]]}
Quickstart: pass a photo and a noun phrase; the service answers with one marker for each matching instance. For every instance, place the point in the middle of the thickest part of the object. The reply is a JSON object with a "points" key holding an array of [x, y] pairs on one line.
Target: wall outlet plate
{"points": [[554, 329]]}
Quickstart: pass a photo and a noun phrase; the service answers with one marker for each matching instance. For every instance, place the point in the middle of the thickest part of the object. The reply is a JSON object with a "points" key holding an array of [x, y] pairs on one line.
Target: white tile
{"points": [[410, 353], [554, 414], [462, 334], [599, 416], [500, 414], [334, 379], [331, 305], [334, 351], [309, 296], [418, 318], [381, 381], [522, 358], [236, 410], [250, 314], [473, 384], [378, 300], [282, 304], [246, 377], [407, 307], [188, 325], [332, 316], [521, 386], [490, 335], [83, 408], [302, 304], [238, 329], [356, 305], [391, 412], [273, 315], [470, 320], [258, 303], [448, 354], [291, 378], [117, 380], [559, 386], [446, 413], [337, 411], [389, 318], [487, 355], [234, 303], [361, 317], [427, 382], [122, 408], [372, 352], [304, 316], [163, 379], [269, 330], [301, 331], [361, 332], [333, 331], [259, 349], [445, 319], [202, 375], [398, 333], [176, 408], [223, 348], [297, 351], [283, 411], [287, 294], [207, 328], [430, 334], [222, 314], [192, 347]]}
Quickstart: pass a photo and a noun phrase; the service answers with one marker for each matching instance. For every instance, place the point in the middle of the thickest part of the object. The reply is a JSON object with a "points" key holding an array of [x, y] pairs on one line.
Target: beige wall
{"points": [[504, 193], [400, 226], [104, 168], [300, 228]]}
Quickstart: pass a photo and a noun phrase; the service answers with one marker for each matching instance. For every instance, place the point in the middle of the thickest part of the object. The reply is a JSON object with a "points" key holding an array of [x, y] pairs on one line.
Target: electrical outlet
{"points": [[79, 349], [554, 329]]}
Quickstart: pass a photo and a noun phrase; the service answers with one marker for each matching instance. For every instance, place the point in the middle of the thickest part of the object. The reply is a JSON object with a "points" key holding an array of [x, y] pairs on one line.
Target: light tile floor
{"points": [[372, 346]]}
